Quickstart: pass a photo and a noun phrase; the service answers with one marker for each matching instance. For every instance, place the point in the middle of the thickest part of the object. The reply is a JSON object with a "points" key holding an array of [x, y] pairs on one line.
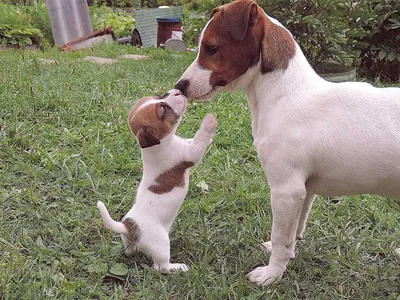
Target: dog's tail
{"points": [[115, 226]]}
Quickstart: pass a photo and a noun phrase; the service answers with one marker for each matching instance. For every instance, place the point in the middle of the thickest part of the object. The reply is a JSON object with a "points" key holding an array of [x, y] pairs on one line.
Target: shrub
{"points": [[17, 26], [380, 48], [322, 28], [121, 22], [122, 3]]}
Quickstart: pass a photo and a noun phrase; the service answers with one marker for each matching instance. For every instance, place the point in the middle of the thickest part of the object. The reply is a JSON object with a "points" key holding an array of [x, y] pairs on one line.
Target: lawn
{"points": [[65, 144]]}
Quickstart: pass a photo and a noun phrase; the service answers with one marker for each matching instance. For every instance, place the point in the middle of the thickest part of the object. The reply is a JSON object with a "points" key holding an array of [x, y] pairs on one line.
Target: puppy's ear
{"points": [[240, 17], [146, 138]]}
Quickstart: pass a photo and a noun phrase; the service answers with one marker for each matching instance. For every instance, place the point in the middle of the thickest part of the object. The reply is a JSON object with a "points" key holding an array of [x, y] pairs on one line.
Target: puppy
{"points": [[164, 185]]}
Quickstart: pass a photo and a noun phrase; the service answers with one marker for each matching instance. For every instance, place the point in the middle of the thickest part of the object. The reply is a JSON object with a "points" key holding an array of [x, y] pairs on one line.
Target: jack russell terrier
{"points": [[312, 136], [164, 185]]}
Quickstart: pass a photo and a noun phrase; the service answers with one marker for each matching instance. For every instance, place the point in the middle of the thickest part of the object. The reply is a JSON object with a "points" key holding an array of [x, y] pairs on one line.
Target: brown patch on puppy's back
{"points": [[171, 178]]}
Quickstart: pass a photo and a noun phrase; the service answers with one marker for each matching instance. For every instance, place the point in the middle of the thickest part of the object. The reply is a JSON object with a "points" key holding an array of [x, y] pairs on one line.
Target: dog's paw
{"points": [[266, 246], [264, 276], [209, 123], [166, 269], [397, 252], [130, 250], [178, 267]]}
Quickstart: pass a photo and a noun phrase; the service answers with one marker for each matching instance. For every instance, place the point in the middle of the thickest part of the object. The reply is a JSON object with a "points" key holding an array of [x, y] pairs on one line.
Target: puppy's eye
{"points": [[212, 49], [163, 110]]}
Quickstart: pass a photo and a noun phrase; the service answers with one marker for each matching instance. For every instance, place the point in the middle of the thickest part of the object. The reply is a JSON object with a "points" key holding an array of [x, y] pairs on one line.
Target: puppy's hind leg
{"points": [[157, 246], [129, 247]]}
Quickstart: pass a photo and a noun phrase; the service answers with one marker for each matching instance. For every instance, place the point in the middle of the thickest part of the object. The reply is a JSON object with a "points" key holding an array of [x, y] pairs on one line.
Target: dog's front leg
{"points": [[287, 202], [202, 139]]}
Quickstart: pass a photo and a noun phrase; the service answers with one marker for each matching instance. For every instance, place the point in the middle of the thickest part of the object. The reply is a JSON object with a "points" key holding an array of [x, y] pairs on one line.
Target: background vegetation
{"points": [[365, 34]]}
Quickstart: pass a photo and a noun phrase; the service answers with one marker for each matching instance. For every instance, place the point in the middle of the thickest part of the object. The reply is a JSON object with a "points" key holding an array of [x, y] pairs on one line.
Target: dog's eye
{"points": [[212, 49]]}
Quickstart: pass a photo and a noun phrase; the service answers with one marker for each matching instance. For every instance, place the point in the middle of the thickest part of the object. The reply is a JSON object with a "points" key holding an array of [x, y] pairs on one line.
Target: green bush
{"points": [[322, 28], [380, 48], [121, 3], [17, 25], [121, 22]]}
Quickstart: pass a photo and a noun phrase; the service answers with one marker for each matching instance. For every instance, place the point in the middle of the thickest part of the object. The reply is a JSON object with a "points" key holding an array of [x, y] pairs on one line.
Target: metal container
{"points": [[69, 20]]}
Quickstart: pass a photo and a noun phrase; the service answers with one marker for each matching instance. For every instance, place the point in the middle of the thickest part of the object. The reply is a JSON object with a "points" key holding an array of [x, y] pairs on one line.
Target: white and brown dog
{"points": [[312, 136], [164, 185]]}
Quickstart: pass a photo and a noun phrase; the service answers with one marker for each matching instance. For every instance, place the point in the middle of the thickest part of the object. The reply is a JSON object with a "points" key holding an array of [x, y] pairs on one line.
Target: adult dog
{"points": [[312, 136]]}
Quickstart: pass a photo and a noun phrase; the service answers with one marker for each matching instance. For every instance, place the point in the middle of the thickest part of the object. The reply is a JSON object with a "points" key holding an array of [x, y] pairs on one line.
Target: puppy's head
{"points": [[154, 118]]}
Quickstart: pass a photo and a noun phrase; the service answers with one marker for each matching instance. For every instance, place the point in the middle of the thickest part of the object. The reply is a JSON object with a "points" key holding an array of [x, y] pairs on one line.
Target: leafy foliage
{"points": [[380, 48], [321, 27], [121, 22], [18, 37], [17, 26]]}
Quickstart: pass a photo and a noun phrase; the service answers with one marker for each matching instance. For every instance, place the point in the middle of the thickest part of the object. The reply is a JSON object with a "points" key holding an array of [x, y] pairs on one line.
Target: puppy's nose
{"points": [[182, 85]]}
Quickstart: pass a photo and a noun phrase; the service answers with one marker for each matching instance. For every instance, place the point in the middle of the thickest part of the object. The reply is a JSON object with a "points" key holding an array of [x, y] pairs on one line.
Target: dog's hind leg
{"points": [[129, 247], [157, 246], [308, 202]]}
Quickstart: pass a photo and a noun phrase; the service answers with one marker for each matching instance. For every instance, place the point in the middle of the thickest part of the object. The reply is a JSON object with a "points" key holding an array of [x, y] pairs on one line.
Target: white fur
{"points": [[155, 213], [315, 137]]}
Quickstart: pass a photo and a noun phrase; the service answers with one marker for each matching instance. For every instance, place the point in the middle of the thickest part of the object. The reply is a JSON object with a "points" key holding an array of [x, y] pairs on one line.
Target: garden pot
{"points": [[341, 77], [336, 73]]}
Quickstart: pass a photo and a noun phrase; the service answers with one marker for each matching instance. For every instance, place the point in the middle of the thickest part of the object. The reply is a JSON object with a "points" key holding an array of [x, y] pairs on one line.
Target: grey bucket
{"points": [[69, 20], [341, 77]]}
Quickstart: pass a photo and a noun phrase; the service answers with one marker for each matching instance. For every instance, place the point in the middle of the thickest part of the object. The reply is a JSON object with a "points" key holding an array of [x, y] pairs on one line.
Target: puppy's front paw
{"points": [[265, 276], [209, 123]]}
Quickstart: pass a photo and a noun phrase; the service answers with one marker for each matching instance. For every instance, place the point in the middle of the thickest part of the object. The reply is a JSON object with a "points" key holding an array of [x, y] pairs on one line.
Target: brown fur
{"points": [[277, 46], [133, 230], [242, 31], [171, 178], [148, 124]]}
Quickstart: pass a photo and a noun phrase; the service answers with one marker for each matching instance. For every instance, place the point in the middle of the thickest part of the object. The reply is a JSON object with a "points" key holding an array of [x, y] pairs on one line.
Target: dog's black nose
{"points": [[182, 85]]}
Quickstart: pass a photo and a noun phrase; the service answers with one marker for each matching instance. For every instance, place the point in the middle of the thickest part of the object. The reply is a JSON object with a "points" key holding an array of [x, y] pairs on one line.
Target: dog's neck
{"points": [[272, 85], [158, 155]]}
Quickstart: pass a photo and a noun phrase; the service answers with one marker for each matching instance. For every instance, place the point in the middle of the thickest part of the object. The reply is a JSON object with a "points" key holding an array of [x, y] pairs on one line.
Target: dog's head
{"points": [[237, 36], [153, 119]]}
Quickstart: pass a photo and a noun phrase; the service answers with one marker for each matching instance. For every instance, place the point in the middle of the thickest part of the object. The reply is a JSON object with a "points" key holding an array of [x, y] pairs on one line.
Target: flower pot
{"points": [[336, 73], [341, 77]]}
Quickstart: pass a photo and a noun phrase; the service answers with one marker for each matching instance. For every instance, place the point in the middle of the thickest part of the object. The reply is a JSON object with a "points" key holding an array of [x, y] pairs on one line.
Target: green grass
{"points": [[65, 144]]}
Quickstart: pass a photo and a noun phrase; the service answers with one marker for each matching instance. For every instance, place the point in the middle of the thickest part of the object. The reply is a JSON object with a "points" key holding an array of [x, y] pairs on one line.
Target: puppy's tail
{"points": [[115, 226]]}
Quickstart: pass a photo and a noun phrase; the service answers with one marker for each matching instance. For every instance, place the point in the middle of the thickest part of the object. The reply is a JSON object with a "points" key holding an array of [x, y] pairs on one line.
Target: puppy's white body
{"points": [[161, 192], [312, 136]]}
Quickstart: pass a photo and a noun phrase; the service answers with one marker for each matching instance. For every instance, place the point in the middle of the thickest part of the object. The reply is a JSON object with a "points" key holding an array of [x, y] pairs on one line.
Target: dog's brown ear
{"points": [[214, 11], [277, 47], [146, 138], [239, 17]]}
